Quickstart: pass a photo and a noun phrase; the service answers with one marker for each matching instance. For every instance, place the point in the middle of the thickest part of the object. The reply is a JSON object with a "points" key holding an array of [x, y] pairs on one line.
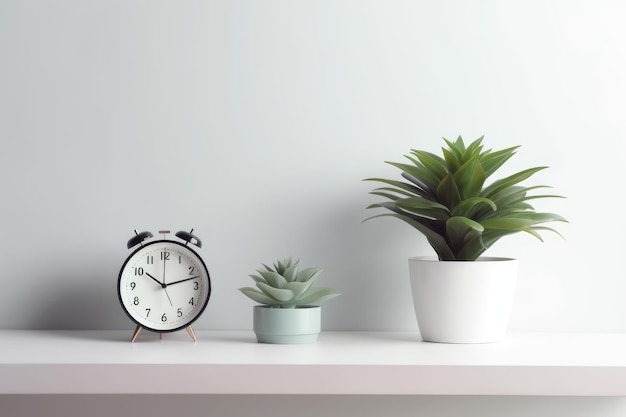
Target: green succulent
{"points": [[284, 286], [446, 199]]}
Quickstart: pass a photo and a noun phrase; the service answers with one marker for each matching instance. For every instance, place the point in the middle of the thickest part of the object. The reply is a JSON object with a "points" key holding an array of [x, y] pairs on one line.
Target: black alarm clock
{"points": [[164, 285]]}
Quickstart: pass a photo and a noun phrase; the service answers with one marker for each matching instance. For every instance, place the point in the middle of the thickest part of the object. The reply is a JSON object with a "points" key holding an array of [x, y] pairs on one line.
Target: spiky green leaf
{"points": [[420, 175], [448, 193], [491, 161], [520, 220], [432, 162], [388, 190], [457, 182], [509, 181], [399, 184], [471, 206], [424, 208], [453, 160], [464, 237], [436, 240], [470, 178]]}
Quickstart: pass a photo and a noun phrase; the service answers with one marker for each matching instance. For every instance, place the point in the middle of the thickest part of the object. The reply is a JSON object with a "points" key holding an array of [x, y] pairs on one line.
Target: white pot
{"points": [[463, 301], [287, 325]]}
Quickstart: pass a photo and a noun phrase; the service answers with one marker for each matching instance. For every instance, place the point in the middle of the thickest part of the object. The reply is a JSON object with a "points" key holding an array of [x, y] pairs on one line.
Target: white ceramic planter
{"points": [[462, 301], [287, 325]]}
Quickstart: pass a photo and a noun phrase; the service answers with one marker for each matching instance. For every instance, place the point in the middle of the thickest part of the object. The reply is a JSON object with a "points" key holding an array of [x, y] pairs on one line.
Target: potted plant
{"points": [[460, 296], [288, 312]]}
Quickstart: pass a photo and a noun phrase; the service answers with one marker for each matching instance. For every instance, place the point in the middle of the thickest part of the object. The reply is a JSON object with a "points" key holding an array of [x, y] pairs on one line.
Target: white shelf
{"points": [[384, 363]]}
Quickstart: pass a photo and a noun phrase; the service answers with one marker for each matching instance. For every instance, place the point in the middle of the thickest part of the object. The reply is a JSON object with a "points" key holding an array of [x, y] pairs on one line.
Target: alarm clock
{"points": [[164, 285]]}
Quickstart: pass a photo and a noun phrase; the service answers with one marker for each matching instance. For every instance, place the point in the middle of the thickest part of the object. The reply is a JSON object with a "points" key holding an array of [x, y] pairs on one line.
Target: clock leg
{"points": [[160, 336], [191, 333], [137, 330]]}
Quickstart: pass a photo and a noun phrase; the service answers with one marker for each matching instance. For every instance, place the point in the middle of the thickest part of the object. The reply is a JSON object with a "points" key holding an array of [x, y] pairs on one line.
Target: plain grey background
{"points": [[254, 122]]}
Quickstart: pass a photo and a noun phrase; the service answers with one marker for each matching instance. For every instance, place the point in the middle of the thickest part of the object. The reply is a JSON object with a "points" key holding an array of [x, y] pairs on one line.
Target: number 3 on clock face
{"points": [[164, 286]]}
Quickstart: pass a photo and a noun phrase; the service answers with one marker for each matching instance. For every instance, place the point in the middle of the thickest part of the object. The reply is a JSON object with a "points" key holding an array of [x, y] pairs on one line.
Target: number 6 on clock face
{"points": [[164, 286]]}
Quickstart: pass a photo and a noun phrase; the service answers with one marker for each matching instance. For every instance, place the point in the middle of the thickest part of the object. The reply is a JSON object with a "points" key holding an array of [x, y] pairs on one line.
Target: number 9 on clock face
{"points": [[164, 286]]}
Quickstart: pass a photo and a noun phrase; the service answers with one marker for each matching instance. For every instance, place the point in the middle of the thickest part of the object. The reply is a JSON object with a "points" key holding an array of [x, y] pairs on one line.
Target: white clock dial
{"points": [[164, 286]]}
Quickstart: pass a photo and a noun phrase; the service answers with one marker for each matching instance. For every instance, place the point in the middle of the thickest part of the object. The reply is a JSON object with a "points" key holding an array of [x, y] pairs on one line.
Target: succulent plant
{"points": [[446, 199], [284, 286]]}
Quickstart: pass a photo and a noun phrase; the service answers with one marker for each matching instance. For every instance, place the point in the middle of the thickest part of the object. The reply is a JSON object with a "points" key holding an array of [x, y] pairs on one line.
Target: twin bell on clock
{"points": [[164, 285]]}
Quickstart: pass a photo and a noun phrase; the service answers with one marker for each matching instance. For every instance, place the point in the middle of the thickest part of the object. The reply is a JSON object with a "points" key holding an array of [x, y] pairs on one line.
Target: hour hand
{"points": [[155, 280]]}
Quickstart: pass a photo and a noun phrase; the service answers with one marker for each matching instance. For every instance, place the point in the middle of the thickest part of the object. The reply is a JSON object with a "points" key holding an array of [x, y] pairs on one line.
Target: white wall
{"points": [[254, 122]]}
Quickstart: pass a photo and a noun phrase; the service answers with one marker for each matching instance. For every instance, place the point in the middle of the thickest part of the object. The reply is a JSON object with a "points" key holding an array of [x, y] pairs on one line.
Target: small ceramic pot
{"points": [[287, 325]]}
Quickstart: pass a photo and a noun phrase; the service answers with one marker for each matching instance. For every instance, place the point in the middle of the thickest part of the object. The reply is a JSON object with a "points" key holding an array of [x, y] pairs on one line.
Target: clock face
{"points": [[164, 286]]}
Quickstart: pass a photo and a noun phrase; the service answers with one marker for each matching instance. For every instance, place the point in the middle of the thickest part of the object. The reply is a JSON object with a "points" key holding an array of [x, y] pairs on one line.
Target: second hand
{"points": [[168, 297], [163, 285]]}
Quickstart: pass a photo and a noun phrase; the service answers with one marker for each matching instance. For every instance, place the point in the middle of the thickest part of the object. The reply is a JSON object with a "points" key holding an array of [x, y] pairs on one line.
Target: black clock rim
{"points": [[187, 324]]}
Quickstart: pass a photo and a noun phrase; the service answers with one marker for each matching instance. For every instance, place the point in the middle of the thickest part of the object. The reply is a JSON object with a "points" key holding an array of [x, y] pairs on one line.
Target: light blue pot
{"points": [[287, 325]]}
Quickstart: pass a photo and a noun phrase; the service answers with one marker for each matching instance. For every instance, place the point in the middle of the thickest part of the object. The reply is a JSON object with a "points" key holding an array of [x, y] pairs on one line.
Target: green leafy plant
{"points": [[446, 199], [284, 286]]}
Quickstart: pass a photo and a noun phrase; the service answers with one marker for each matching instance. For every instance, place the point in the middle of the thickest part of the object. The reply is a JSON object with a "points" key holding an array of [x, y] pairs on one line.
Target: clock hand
{"points": [[183, 280], [163, 285], [168, 296], [164, 259], [156, 280]]}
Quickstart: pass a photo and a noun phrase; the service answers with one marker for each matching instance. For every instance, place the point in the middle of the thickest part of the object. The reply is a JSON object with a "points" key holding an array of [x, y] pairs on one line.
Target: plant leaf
{"points": [[432, 162], [491, 161], [470, 179], [258, 296], [424, 208], [279, 294], [534, 230], [509, 181], [380, 190], [399, 184], [308, 274], [299, 288], [317, 295], [290, 273], [389, 196], [436, 240], [421, 176], [473, 150], [273, 278], [464, 238], [519, 221], [426, 190], [470, 206], [453, 160], [281, 266], [256, 278], [448, 192]]}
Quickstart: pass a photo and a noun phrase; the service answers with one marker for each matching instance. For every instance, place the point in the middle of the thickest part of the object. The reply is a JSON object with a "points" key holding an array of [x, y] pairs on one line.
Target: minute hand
{"points": [[183, 280]]}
